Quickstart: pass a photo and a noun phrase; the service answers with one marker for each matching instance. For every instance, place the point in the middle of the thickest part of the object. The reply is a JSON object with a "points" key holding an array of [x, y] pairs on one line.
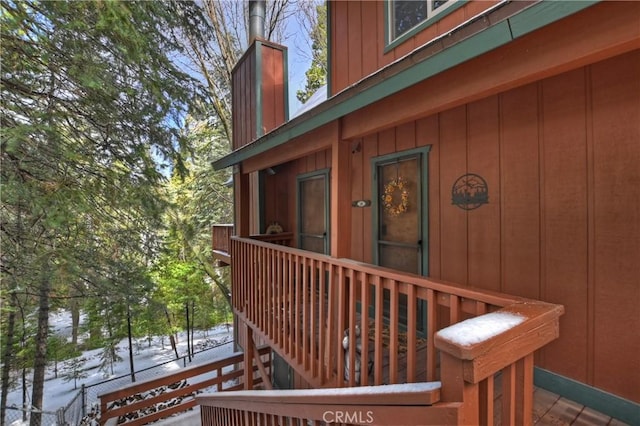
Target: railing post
{"points": [[456, 389], [248, 358], [84, 399]]}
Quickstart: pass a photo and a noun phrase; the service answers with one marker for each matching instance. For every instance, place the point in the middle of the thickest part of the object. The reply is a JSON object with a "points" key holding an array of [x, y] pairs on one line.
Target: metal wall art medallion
{"points": [[469, 192]]}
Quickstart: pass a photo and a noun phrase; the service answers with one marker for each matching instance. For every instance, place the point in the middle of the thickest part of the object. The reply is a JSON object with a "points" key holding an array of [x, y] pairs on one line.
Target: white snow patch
{"points": [[318, 97], [480, 329], [361, 390], [58, 393]]}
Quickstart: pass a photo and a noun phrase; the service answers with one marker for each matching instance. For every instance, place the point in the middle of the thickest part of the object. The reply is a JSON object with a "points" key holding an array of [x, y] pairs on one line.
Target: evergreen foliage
{"points": [[317, 72], [111, 115], [91, 102], [74, 371]]}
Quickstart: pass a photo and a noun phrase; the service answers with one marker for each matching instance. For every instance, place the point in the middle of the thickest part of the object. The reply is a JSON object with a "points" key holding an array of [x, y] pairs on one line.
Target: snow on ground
{"points": [[58, 393]]}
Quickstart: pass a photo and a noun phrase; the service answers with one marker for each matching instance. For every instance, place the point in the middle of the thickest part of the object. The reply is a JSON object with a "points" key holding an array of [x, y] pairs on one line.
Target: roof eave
{"points": [[485, 32]]}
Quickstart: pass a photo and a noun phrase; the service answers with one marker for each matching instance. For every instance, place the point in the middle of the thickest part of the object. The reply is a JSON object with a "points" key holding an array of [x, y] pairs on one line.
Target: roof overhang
{"points": [[490, 30]]}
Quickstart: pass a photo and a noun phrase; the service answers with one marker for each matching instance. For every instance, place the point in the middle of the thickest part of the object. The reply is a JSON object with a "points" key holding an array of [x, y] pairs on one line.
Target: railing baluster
{"points": [[393, 331], [432, 318], [273, 300], [524, 396], [306, 288], [291, 306], [379, 347], [509, 395], [454, 309], [412, 345], [264, 296], [314, 319], [322, 321], [353, 338], [253, 285], [342, 303], [277, 289], [296, 311], [486, 398], [364, 327]]}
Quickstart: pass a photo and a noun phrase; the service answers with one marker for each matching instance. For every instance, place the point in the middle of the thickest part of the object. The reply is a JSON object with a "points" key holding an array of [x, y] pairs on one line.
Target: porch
{"points": [[304, 306], [301, 305], [302, 320]]}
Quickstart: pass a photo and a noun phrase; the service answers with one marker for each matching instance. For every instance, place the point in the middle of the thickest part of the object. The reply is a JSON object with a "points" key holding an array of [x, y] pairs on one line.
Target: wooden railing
{"points": [[391, 404], [221, 241], [150, 400], [304, 304]]}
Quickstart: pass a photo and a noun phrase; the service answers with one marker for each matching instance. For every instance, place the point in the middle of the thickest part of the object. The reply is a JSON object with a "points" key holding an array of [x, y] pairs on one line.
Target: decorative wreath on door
{"points": [[389, 199]]}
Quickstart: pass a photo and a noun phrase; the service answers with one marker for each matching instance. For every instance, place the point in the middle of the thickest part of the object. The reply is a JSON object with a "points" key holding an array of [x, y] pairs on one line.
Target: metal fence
{"points": [[21, 416], [85, 404]]}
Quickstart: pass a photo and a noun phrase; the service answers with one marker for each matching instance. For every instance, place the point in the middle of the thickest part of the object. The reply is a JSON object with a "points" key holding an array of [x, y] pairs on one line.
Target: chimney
{"points": [[259, 86], [256, 19]]}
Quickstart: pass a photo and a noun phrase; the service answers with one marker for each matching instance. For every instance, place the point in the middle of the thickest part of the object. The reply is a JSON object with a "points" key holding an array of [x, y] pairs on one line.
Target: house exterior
{"points": [[492, 145]]}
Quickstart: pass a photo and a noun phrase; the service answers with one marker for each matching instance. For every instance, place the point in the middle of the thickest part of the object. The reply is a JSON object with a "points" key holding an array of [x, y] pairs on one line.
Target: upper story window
{"points": [[405, 15]]}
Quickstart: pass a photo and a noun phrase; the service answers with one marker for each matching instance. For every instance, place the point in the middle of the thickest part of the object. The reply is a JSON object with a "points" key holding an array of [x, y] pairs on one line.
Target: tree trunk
{"points": [[186, 308], [40, 358], [75, 320], [193, 320], [7, 356], [131, 367], [172, 339]]}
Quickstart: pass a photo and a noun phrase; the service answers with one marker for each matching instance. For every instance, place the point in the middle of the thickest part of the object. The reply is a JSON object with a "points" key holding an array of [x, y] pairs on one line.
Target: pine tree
{"points": [[74, 370], [91, 102], [108, 357], [317, 72]]}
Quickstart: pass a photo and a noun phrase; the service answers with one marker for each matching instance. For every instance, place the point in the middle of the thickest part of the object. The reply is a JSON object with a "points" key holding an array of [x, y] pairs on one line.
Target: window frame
{"points": [[391, 43]]}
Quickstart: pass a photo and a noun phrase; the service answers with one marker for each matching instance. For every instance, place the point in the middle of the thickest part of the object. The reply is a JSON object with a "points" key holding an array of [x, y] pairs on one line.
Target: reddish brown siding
{"points": [[279, 195], [561, 158], [358, 38], [244, 97], [261, 68]]}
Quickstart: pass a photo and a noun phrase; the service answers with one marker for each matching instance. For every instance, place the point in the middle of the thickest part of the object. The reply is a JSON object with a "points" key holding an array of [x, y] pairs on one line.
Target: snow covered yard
{"points": [[152, 358]]}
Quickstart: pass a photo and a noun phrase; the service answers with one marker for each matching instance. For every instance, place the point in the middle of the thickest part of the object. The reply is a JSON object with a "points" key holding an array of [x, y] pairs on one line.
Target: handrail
{"points": [[304, 304], [473, 351], [172, 393], [221, 241], [385, 404], [492, 351], [294, 298], [281, 238]]}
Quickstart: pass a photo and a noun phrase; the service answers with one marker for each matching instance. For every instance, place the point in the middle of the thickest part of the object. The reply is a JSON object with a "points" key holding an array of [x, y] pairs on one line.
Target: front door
{"points": [[400, 234], [400, 220], [313, 211]]}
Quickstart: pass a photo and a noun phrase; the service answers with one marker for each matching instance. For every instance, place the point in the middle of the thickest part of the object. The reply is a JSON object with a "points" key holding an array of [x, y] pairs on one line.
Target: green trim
{"points": [[387, 36], [258, 88], [326, 174], [391, 44], [599, 400], [537, 16]]}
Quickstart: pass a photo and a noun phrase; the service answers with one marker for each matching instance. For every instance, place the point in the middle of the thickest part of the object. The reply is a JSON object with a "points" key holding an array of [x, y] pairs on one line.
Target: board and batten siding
{"points": [[561, 158], [357, 35], [259, 101]]}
